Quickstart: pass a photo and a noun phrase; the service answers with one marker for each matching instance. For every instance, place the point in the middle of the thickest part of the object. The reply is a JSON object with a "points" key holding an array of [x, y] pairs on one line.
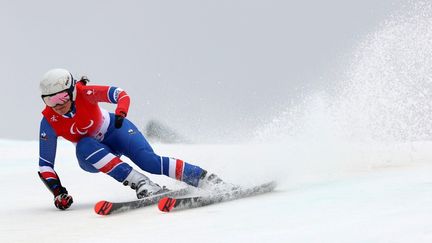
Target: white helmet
{"points": [[57, 80]]}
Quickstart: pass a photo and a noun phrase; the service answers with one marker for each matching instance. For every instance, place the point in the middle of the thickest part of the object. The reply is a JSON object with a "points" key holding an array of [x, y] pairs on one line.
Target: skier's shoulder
{"points": [[81, 86], [86, 91], [46, 128], [90, 89], [44, 121]]}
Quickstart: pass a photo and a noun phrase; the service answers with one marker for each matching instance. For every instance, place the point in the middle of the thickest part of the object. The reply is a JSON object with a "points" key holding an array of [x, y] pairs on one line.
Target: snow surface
{"points": [[369, 202]]}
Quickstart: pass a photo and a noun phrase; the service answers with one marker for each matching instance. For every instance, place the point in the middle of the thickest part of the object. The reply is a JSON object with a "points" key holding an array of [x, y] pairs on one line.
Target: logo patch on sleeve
{"points": [[117, 93]]}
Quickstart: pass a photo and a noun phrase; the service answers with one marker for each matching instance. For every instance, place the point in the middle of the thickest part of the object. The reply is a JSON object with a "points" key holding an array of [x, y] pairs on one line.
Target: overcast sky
{"points": [[209, 69]]}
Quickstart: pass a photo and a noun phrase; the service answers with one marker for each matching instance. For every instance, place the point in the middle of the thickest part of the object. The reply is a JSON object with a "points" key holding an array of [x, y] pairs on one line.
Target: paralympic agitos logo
{"points": [[82, 131]]}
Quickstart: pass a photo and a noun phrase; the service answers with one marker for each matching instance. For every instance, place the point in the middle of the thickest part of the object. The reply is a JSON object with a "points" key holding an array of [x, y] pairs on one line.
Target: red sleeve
{"points": [[109, 94], [123, 103]]}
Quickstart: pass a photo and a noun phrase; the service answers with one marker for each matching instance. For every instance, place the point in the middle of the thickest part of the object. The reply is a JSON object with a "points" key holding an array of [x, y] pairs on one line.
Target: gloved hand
{"points": [[63, 201], [119, 119]]}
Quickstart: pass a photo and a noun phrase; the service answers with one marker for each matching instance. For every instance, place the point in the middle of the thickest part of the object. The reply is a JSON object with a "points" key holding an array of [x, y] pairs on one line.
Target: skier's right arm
{"points": [[47, 152]]}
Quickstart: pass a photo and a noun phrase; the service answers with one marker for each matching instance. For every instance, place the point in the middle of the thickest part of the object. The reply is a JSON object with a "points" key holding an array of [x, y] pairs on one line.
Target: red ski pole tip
{"points": [[166, 204]]}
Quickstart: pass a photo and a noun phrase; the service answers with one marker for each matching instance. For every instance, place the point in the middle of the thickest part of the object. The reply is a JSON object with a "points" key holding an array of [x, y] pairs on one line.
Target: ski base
{"points": [[106, 207], [170, 203]]}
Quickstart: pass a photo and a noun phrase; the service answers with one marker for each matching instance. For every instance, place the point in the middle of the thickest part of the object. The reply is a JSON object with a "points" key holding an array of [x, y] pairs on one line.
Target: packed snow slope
{"points": [[316, 200]]}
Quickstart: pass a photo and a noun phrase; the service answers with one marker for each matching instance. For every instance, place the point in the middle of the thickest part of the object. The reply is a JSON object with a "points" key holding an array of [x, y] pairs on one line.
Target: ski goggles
{"points": [[56, 99]]}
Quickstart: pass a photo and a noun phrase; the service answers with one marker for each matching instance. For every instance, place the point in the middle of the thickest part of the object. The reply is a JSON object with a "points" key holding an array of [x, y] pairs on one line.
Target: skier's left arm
{"points": [[113, 95]]}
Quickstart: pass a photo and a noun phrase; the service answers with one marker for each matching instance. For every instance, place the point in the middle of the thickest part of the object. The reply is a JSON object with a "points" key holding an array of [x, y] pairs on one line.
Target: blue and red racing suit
{"points": [[99, 145]]}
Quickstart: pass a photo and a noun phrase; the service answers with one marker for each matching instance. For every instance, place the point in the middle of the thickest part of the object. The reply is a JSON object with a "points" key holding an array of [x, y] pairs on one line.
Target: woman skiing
{"points": [[101, 138]]}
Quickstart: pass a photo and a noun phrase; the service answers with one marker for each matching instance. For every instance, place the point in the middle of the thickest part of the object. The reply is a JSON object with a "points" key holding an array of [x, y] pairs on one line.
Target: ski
{"points": [[170, 203], [106, 207]]}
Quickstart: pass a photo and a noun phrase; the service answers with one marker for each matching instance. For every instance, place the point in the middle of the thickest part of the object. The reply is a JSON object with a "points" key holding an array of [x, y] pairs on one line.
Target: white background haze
{"points": [[213, 70]]}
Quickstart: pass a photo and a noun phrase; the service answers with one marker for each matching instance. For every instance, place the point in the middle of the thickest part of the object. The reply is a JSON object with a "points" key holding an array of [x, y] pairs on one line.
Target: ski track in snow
{"points": [[341, 204]]}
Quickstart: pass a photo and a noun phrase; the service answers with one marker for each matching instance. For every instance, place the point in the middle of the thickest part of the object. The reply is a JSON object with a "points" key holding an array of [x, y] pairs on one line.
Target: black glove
{"points": [[63, 201], [119, 120]]}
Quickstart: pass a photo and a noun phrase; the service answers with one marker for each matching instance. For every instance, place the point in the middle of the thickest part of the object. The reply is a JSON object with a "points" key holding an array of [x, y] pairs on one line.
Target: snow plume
{"points": [[389, 84], [378, 115]]}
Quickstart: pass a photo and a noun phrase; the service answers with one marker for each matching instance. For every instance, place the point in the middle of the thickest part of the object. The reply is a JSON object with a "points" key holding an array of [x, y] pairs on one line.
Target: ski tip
{"points": [[166, 204], [103, 208]]}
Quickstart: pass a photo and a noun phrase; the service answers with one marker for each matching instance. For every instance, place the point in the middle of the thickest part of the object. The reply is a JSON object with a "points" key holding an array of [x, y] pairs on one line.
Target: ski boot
{"points": [[142, 185], [212, 182]]}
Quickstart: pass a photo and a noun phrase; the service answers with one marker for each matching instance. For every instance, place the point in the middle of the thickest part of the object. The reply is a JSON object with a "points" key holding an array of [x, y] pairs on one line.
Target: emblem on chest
{"points": [[82, 131]]}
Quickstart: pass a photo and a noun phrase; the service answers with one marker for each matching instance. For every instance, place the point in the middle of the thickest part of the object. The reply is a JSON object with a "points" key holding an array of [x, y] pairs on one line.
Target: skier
{"points": [[101, 138]]}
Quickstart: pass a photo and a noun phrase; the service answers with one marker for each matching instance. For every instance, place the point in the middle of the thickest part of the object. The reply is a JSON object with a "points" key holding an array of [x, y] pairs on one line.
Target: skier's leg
{"points": [[129, 141], [94, 156]]}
